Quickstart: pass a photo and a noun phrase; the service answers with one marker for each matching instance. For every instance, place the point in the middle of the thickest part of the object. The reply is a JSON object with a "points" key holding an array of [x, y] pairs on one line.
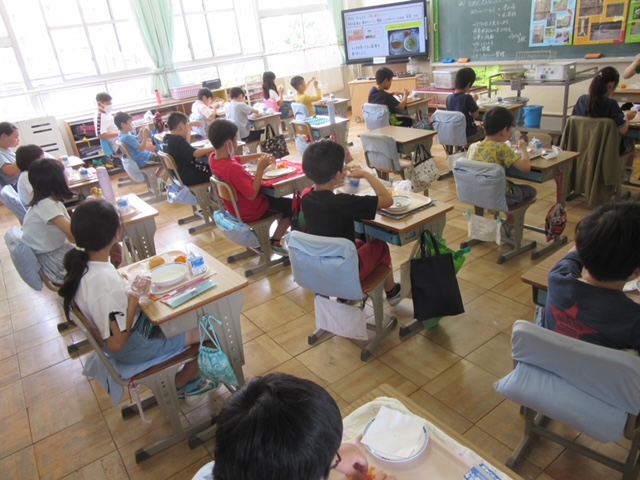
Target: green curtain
{"points": [[155, 22], [335, 10]]}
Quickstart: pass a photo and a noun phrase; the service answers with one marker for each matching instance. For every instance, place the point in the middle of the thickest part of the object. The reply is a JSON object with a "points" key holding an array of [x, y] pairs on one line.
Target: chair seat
{"points": [[527, 202], [190, 352], [270, 219], [377, 276]]}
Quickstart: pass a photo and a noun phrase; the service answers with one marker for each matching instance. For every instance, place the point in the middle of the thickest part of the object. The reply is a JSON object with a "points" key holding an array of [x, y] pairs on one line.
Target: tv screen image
{"points": [[386, 33]]}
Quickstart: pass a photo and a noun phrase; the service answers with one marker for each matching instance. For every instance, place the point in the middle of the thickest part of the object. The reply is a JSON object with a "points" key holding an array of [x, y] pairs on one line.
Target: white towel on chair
{"points": [[340, 318]]}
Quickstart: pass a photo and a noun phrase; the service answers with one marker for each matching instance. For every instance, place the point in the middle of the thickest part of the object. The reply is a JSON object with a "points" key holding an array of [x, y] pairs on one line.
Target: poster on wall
{"points": [[551, 22], [633, 22], [600, 21]]}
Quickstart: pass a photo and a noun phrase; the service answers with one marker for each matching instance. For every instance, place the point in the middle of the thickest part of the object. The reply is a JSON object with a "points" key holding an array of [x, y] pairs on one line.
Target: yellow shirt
{"points": [[307, 101], [489, 151]]}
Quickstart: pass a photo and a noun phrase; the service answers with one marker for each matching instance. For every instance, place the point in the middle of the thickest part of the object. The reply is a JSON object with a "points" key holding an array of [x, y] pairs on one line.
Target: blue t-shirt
{"points": [[140, 157], [594, 314], [464, 103], [609, 108]]}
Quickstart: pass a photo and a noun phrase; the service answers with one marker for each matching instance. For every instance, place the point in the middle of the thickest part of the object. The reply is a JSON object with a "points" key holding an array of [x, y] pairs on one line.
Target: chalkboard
{"points": [[497, 29]]}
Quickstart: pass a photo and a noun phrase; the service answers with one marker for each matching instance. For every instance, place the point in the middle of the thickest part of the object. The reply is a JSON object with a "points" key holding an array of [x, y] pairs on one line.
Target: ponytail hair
{"points": [[94, 225], [598, 89]]}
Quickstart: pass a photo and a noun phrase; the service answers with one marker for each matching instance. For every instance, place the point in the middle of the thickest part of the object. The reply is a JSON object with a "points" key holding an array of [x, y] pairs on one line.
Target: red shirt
{"points": [[231, 171]]}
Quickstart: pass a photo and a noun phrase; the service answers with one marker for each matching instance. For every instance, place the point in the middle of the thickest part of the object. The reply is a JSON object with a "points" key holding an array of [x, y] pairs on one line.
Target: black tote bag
{"points": [[274, 144], [434, 286]]}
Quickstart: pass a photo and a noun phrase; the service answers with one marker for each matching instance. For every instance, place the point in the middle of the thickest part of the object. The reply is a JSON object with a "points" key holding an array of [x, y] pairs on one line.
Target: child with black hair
{"points": [[106, 129], [599, 104], [238, 112], [191, 161], [380, 96], [282, 427], [330, 215], [99, 291], [143, 151], [203, 111], [461, 101], [585, 298], [274, 95], [25, 156], [9, 140], [46, 228], [252, 203], [300, 86], [498, 125]]}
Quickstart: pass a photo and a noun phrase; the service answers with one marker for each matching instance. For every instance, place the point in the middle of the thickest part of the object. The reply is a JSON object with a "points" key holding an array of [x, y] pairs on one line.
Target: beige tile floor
{"points": [[58, 424]]}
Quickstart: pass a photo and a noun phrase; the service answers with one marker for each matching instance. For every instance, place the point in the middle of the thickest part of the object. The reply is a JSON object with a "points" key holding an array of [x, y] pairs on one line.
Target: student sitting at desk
{"points": [[461, 101], [252, 203], [273, 95], [143, 152], [331, 215], [498, 123], [203, 111], [585, 298], [238, 112], [191, 162], [300, 86], [380, 96]]}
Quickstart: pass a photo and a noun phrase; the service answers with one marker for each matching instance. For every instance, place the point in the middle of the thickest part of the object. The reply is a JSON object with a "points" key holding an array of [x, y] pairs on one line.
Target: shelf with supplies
{"points": [[253, 88]]}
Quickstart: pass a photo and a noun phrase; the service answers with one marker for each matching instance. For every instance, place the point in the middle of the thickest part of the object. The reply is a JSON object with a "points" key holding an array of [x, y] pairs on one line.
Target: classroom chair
{"points": [[300, 111], [225, 192], [10, 198], [26, 264], [303, 135], [329, 267], [160, 379], [452, 134], [483, 185], [137, 175], [598, 171], [589, 388], [204, 209], [381, 154], [375, 116]]}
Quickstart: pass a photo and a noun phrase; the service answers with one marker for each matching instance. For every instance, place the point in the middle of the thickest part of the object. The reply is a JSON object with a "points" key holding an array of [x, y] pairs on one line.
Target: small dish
{"points": [[421, 445], [169, 274], [411, 43], [400, 203]]}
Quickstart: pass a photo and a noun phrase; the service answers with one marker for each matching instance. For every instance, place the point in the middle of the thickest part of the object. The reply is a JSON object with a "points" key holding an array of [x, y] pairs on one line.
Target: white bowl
{"points": [[400, 203], [169, 274]]}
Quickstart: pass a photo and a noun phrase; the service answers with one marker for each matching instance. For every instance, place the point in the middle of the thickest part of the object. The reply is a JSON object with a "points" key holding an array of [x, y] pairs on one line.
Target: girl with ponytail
{"points": [[598, 104], [98, 290]]}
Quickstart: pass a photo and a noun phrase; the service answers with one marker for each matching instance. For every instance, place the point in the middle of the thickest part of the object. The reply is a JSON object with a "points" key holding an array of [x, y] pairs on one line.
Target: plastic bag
{"points": [[177, 194], [483, 229], [403, 186], [139, 283]]}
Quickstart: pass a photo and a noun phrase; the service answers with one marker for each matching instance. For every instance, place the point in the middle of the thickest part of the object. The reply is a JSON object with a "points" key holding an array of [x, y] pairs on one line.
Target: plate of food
{"points": [[411, 43], [420, 446], [169, 274], [400, 204], [278, 171]]}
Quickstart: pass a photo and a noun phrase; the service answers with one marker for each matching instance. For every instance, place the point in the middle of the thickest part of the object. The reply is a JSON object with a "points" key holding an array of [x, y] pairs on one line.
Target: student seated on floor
{"points": [[380, 96], [498, 124], [238, 112], [283, 427], [461, 101], [252, 203], [300, 86], [191, 162], [585, 298], [330, 215]]}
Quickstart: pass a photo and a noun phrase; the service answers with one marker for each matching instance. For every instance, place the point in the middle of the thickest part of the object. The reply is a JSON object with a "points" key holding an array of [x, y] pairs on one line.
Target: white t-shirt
{"points": [[102, 291], [38, 231], [273, 95], [7, 157], [238, 113], [200, 113], [25, 190], [104, 124]]}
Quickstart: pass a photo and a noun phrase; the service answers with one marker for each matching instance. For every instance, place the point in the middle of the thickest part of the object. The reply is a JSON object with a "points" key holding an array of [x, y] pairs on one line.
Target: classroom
{"points": [[424, 207]]}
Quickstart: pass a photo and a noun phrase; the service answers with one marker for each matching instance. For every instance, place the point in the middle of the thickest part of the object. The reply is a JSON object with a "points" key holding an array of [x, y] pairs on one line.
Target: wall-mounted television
{"points": [[386, 33]]}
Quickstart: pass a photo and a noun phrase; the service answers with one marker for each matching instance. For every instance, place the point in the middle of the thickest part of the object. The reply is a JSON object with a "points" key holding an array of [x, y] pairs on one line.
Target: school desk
{"points": [[624, 95], [543, 171], [360, 89], [224, 302], [341, 106], [82, 186], [408, 139], [261, 121], [438, 96], [447, 454], [634, 130], [413, 106], [321, 124], [287, 185], [538, 275]]}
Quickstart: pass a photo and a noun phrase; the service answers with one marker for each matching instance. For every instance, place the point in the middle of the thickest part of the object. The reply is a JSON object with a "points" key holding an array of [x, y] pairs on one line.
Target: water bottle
{"points": [[331, 108], [332, 97]]}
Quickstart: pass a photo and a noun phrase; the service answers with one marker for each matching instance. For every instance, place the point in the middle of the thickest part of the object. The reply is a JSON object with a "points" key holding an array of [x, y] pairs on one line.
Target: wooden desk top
{"points": [[227, 282], [385, 390], [409, 223], [83, 182], [413, 102], [145, 211], [263, 116], [324, 100], [538, 275], [404, 135], [540, 164], [339, 121]]}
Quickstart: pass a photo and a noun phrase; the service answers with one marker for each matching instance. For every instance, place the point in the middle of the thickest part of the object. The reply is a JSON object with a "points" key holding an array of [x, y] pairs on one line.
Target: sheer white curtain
{"points": [[155, 22], [335, 9]]}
